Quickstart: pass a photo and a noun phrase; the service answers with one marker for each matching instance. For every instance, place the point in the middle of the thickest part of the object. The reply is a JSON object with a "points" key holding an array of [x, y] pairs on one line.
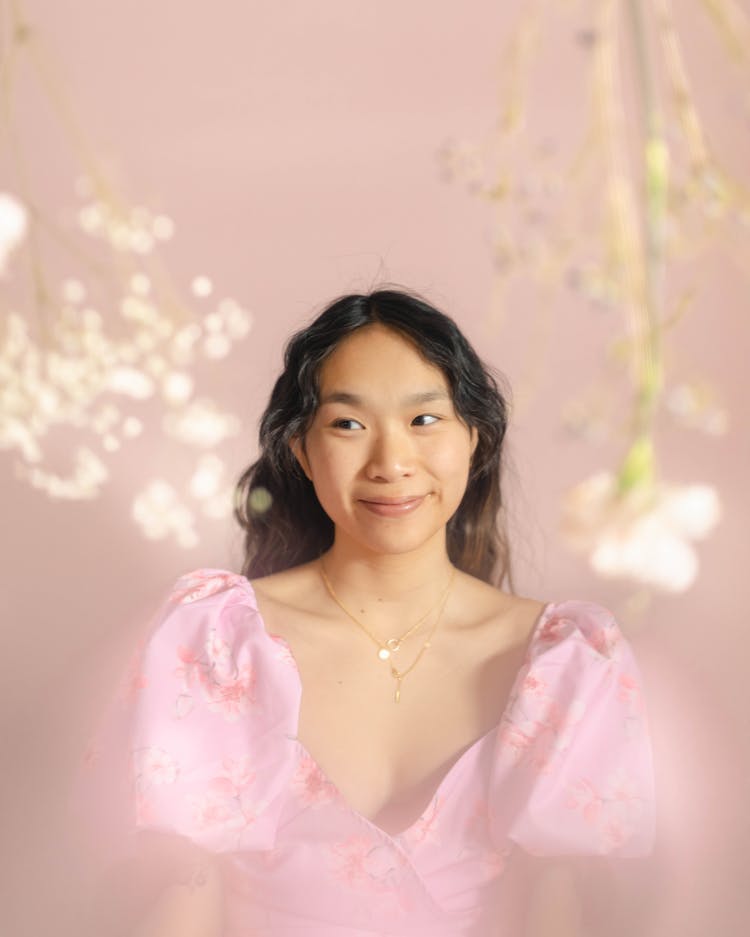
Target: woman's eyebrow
{"points": [[354, 400], [341, 396], [427, 396]]}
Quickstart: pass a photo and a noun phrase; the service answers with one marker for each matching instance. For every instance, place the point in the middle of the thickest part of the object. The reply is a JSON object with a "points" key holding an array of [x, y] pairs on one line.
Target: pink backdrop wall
{"points": [[295, 146]]}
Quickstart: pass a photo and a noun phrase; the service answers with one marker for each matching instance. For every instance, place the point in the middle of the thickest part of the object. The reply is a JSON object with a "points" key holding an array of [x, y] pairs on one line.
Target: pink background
{"points": [[295, 144]]}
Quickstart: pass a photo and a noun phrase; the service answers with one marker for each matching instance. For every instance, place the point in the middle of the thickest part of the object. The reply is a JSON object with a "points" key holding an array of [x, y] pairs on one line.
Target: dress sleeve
{"points": [[210, 710], [573, 771]]}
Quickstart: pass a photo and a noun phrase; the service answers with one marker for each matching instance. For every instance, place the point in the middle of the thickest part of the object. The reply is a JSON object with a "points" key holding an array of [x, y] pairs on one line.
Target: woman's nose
{"points": [[391, 456]]}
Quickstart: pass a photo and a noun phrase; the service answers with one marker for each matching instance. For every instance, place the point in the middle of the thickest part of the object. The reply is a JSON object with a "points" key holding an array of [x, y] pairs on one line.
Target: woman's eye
{"points": [[425, 419], [347, 424]]}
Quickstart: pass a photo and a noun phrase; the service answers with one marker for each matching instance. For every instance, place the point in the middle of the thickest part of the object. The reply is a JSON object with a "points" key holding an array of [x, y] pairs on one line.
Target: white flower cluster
{"points": [[133, 229], [644, 534], [88, 371], [160, 512]]}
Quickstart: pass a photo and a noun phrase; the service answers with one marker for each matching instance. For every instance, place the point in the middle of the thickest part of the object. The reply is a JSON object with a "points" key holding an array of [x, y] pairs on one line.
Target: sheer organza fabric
{"points": [[202, 744]]}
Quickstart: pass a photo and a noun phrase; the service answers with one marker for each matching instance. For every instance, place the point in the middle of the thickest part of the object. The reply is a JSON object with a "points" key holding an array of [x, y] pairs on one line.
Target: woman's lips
{"points": [[397, 508]]}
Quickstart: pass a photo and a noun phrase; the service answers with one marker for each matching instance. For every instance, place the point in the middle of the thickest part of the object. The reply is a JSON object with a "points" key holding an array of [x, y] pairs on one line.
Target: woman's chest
{"points": [[387, 759]]}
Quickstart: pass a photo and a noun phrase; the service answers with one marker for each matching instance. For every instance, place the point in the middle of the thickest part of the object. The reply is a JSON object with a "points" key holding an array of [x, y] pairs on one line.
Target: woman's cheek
{"points": [[452, 459], [332, 474]]}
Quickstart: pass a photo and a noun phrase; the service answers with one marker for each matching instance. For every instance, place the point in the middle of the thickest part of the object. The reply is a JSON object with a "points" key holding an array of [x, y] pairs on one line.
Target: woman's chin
{"points": [[396, 541]]}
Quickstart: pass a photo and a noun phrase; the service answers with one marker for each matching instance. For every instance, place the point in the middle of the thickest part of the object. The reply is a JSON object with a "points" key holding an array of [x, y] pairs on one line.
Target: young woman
{"points": [[364, 733]]}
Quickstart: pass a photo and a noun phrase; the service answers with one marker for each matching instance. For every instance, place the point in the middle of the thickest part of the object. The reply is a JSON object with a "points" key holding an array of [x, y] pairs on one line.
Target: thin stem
{"points": [[655, 156], [18, 39]]}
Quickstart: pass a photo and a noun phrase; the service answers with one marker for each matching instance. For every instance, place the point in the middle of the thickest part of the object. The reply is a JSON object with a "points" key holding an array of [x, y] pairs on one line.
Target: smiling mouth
{"points": [[393, 507]]}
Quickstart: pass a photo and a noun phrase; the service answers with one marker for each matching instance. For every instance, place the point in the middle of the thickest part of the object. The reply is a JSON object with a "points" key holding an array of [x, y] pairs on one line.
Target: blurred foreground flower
{"points": [[13, 225], [159, 512], [644, 189], [98, 345], [643, 533]]}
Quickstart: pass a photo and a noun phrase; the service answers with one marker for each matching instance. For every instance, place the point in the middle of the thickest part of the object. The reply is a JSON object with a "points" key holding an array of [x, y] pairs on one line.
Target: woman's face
{"points": [[386, 452]]}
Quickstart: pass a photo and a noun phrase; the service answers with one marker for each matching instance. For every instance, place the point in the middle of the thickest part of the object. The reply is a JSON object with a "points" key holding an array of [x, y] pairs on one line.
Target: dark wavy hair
{"points": [[276, 504]]}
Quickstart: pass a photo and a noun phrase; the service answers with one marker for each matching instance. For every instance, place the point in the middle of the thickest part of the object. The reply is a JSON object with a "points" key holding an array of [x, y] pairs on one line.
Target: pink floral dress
{"points": [[214, 705]]}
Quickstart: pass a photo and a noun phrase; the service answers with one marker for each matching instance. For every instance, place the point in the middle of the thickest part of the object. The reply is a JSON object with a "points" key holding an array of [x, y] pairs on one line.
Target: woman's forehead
{"points": [[376, 355]]}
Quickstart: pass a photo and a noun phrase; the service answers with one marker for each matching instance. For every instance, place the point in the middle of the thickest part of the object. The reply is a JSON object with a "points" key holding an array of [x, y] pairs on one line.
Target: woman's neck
{"points": [[396, 582]]}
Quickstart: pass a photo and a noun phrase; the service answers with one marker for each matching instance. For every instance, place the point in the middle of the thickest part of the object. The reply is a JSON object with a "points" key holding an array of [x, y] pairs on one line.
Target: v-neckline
{"points": [[459, 761]]}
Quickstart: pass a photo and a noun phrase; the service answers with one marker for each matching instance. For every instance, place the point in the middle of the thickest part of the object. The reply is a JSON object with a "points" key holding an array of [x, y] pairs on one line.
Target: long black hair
{"points": [[276, 504]]}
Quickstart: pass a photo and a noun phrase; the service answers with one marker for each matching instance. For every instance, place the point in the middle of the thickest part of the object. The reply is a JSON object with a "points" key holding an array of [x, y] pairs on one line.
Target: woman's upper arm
{"points": [[186, 909], [168, 888], [554, 906]]}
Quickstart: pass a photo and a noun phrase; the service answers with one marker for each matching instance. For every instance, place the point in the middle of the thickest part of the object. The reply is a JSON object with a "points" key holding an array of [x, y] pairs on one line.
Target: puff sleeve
{"points": [[572, 769], [211, 706]]}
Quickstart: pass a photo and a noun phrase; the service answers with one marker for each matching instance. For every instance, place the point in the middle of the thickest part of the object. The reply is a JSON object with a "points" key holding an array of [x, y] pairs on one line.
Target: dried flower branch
{"points": [[664, 194], [110, 337]]}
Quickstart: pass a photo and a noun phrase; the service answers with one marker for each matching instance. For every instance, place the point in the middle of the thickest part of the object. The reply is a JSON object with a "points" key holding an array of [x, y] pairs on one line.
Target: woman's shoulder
{"points": [[288, 586], [544, 626], [290, 599], [485, 608], [214, 583]]}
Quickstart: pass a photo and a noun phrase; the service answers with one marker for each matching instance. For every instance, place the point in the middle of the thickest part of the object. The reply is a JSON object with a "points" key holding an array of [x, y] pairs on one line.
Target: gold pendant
{"points": [[397, 676], [392, 644]]}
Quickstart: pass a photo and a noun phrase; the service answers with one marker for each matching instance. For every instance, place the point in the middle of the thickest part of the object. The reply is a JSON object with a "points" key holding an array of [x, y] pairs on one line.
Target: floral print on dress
{"points": [[489, 858], [426, 828], [152, 767], [533, 686], [226, 687], [366, 864], [228, 802], [311, 786], [601, 632], [535, 727], [479, 817], [155, 766], [216, 760], [552, 629], [284, 652], [201, 584], [613, 809]]}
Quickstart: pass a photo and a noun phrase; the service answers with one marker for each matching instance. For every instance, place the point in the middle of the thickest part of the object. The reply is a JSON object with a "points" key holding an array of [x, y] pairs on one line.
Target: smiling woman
{"points": [[363, 732], [435, 367], [375, 453]]}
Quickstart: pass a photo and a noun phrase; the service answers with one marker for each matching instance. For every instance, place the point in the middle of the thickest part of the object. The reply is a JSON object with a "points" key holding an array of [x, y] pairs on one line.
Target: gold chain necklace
{"points": [[393, 644]]}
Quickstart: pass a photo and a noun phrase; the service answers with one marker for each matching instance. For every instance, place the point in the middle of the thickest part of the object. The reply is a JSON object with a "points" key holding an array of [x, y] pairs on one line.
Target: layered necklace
{"points": [[386, 649]]}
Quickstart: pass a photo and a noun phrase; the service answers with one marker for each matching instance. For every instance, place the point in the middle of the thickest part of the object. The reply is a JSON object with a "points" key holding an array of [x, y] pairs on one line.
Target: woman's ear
{"points": [[297, 445], [474, 437]]}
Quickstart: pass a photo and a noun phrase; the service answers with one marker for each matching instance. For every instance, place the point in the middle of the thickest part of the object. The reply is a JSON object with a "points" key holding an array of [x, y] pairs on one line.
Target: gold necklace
{"points": [[393, 644]]}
